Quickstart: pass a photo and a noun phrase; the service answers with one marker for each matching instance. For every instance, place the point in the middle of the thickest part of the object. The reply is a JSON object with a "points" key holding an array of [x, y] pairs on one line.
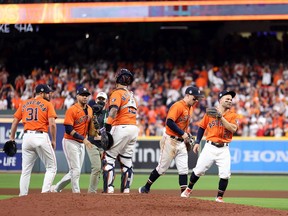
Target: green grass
{"points": [[170, 182], [209, 182], [274, 203]]}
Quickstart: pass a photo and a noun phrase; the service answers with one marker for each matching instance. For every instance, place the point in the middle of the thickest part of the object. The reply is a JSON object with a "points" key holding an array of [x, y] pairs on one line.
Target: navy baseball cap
{"points": [[191, 90], [225, 92], [43, 88], [82, 91]]}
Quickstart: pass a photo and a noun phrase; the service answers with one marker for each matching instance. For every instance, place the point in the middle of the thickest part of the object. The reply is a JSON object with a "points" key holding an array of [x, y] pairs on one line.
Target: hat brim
{"points": [[232, 93], [199, 95], [84, 94]]}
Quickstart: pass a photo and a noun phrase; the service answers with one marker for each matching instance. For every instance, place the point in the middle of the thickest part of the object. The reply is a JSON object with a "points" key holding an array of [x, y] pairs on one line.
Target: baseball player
{"points": [[122, 124], [172, 143], [219, 131], [96, 152], [37, 114], [77, 120]]}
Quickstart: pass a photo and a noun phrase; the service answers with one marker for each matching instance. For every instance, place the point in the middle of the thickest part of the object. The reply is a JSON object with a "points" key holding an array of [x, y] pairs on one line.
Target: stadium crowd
{"points": [[255, 68]]}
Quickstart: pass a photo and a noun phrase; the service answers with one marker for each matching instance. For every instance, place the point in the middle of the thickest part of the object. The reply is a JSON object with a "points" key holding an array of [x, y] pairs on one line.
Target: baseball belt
{"points": [[218, 145], [31, 131], [177, 138]]}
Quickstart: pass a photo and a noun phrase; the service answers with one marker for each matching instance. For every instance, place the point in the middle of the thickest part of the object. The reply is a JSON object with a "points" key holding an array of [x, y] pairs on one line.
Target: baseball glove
{"points": [[189, 142], [213, 112], [106, 139], [10, 148]]}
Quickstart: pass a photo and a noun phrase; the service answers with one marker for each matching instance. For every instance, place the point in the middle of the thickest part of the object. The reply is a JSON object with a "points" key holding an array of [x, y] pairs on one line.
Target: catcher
{"points": [[176, 142]]}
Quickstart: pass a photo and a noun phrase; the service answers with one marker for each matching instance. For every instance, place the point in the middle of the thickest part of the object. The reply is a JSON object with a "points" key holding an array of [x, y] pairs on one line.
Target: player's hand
{"points": [[87, 143], [185, 136], [196, 148], [53, 145]]}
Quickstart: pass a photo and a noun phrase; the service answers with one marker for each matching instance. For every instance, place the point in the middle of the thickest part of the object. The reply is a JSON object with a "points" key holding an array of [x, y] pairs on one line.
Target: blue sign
{"points": [[5, 132], [10, 163], [259, 156]]}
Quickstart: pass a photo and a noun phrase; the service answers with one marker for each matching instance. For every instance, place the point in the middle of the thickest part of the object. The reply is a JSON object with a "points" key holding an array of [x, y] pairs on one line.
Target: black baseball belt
{"points": [[218, 145], [177, 138]]}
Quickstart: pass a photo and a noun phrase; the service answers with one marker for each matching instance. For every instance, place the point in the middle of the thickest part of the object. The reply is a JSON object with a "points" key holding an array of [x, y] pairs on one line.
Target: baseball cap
{"points": [[82, 91], [102, 94], [43, 88], [225, 92], [191, 90]]}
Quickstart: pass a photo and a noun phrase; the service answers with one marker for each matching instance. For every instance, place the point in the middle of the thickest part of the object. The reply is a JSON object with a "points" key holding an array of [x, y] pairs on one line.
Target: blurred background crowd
{"points": [[164, 64]]}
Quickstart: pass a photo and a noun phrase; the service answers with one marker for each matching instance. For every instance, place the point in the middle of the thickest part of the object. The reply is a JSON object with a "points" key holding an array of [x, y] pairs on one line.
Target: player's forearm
{"points": [[53, 129], [113, 112], [229, 126], [13, 128]]}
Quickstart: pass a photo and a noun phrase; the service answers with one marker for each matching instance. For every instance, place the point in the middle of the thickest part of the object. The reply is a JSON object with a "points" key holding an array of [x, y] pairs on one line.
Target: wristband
{"points": [[78, 136]]}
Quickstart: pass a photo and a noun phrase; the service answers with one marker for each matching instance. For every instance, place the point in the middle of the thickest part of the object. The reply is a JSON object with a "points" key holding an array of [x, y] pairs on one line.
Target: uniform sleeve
{"points": [[235, 120], [51, 111], [69, 117], [115, 99], [18, 113], [174, 112], [204, 122]]}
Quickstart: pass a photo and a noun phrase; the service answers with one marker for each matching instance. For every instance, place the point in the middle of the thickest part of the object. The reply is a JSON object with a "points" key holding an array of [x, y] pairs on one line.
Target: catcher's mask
{"points": [[124, 77]]}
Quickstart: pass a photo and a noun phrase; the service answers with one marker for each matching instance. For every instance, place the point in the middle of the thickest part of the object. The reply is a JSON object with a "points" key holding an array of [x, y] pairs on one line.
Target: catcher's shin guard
{"points": [[127, 172], [108, 176], [126, 178]]}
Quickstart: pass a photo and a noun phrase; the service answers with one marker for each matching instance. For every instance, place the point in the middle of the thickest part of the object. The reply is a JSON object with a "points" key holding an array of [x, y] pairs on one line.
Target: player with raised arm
{"points": [[219, 127]]}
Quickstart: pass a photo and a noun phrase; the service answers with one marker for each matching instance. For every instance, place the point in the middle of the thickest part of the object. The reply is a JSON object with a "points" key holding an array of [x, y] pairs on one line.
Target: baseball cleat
{"points": [[126, 191], [53, 189], [110, 190], [186, 193], [219, 199], [143, 190]]}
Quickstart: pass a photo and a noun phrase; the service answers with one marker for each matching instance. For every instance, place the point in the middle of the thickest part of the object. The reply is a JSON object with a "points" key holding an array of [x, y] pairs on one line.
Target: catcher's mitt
{"points": [[10, 148], [189, 142], [213, 112], [106, 139]]}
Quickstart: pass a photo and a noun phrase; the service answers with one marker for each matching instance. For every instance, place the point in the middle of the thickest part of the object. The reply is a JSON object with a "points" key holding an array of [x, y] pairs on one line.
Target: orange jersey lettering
{"points": [[126, 114], [35, 113], [76, 117], [215, 130], [181, 114]]}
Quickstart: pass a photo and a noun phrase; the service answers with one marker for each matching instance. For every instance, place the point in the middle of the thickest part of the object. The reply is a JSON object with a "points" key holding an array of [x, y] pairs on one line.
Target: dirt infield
{"points": [[160, 202], [196, 193]]}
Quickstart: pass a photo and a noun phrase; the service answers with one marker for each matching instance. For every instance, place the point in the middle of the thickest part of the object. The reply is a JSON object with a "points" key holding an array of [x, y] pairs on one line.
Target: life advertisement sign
{"points": [[10, 163], [14, 163], [264, 155], [5, 132]]}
